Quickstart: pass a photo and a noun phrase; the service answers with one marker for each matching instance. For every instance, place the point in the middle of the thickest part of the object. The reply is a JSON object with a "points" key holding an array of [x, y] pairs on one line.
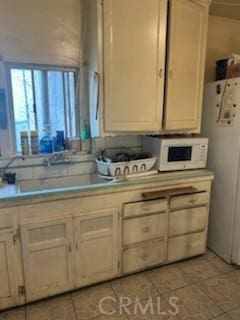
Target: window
{"points": [[43, 99]]}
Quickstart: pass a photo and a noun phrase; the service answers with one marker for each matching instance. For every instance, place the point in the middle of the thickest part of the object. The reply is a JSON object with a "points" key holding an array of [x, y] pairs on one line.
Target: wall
{"points": [[225, 8], [43, 32], [33, 167], [223, 40]]}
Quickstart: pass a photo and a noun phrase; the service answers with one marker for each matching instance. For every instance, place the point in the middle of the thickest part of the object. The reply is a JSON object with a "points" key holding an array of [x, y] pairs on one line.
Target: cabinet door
{"points": [[8, 281], [48, 257], [96, 246], [134, 60], [186, 63]]}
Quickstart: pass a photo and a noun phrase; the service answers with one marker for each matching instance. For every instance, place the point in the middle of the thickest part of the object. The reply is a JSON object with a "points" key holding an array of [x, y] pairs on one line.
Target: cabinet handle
{"points": [[170, 74], [160, 73], [70, 247], [188, 246], [192, 201], [76, 245], [146, 208]]}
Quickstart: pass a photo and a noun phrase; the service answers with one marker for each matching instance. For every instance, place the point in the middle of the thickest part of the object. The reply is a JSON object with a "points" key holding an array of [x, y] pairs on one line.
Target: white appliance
{"points": [[177, 153], [221, 123]]}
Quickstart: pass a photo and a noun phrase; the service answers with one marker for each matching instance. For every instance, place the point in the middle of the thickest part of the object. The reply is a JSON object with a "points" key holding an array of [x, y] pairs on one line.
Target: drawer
{"points": [[144, 207], [186, 246], [144, 228], [139, 258], [187, 221], [189, 200]]}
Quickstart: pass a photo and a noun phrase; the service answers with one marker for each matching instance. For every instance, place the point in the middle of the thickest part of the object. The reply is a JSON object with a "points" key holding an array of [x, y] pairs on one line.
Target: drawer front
{"points": [[144, 207], [144, 228], [187, 221], [139, 258], [186, 246], [190, 200]]}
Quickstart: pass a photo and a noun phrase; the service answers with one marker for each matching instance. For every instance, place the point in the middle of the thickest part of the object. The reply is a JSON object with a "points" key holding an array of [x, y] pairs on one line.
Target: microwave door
{"points": [[179, 154]]}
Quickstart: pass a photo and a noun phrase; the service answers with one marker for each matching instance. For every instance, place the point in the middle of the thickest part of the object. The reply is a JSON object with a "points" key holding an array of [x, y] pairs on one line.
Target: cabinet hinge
{"points": [[17, 235], [118, 264], [21, 290]]}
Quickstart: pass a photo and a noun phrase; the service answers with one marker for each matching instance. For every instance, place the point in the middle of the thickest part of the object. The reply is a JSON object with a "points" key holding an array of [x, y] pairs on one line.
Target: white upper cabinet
{"points": [[129, 90], [188, 22], [134, 60]]}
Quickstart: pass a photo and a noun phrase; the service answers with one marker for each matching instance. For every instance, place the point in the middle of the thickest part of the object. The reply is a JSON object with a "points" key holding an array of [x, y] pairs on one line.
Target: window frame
{"points": [[41, 67]]}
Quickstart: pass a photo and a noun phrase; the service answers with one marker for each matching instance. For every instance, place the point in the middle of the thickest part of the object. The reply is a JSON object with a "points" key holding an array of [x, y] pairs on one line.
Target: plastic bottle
{"points": [[24, 143], [46, 145], [34, 142]]}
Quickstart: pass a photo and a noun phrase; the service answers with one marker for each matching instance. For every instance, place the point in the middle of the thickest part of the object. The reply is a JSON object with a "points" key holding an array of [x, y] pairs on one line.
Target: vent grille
{"points": [[96, 224], [52, 232]]}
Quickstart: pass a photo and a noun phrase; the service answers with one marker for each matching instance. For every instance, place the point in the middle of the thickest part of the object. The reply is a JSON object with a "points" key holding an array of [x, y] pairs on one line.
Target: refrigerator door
{"points": [[221, 123]]}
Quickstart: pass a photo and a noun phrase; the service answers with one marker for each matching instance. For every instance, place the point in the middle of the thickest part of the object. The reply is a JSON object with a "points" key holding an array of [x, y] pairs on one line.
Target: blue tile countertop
{"points": [[10, 193]]}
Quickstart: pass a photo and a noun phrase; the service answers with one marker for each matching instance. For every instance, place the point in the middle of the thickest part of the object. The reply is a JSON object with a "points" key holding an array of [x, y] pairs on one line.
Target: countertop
{"points": [[9, 193]]}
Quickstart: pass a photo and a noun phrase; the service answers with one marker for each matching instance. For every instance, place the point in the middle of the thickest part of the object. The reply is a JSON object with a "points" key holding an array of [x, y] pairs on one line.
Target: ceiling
{"points": [[226, 8]]}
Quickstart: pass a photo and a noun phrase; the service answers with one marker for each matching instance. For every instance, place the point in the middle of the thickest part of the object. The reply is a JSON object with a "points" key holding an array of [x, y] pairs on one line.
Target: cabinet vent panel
{"points": [[96, 224], [52, 232]]}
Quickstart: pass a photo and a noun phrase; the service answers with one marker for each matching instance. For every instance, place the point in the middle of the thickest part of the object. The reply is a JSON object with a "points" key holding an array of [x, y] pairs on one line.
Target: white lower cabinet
{"points": [[48, 257], [96, 242], [8, 280], [87, 242]]}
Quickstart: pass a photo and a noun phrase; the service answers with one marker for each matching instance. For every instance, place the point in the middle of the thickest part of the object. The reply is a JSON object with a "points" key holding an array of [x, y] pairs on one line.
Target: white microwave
{"points": [[177, 153]]}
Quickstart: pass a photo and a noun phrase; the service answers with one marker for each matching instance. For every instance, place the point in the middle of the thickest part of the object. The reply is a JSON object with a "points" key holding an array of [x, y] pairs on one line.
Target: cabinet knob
{"points": [[146, 229], [145, 257]]}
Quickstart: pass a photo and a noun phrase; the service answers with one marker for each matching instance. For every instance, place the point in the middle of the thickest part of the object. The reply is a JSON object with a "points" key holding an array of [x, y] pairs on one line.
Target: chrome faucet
{"points": [[56, 158]]}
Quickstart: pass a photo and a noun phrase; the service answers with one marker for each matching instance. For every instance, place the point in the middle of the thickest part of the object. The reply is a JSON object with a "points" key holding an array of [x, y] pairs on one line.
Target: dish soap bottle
{"points": [[46, 145]]}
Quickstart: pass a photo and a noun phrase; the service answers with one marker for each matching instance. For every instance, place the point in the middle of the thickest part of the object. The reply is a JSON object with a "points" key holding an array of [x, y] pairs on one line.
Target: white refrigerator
{"points": [[221, 123]]}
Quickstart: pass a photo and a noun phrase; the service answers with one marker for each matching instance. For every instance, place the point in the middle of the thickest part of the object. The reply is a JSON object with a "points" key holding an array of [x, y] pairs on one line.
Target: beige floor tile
{"points": [[60, 308], [222, 317], [14, 314], [168, 278], [221, 265], [235, 276], [194, 304], [154, 309], [112, 317], [234, 314], [134, 287], [199, 269], [223, 290], [94, 301]]}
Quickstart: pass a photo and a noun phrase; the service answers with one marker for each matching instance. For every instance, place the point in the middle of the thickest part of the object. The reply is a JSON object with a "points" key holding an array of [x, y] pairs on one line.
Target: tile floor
{"points": [[203, 288]]}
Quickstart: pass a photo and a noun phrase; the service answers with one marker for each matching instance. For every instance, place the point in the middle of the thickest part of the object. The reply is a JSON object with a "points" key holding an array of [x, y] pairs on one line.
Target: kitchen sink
{"points": [[58, 183]]}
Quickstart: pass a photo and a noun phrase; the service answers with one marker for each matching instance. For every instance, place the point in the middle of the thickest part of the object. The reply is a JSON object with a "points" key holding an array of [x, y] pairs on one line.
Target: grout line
{"points": [[25, 311], [74, 308]]}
